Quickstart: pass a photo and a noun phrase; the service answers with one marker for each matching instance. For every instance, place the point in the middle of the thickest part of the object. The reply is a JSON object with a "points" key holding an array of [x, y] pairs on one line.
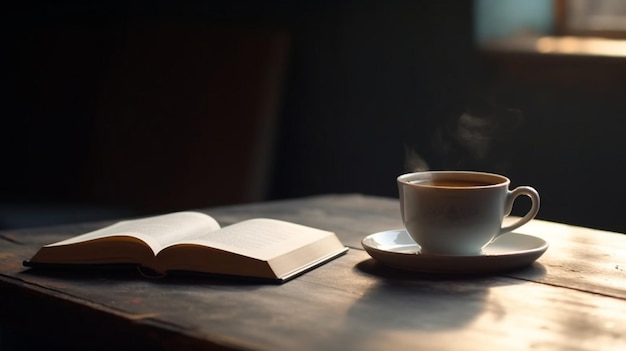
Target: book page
{"points": [[259, 238], [157, 231]]}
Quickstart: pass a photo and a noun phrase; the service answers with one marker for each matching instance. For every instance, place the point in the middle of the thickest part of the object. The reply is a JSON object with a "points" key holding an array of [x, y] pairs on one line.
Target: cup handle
{"points": [[510, 198]]}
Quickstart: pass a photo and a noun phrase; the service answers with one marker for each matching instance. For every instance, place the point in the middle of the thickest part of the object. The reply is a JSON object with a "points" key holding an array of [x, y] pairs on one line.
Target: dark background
{"points": [[119, 109]]}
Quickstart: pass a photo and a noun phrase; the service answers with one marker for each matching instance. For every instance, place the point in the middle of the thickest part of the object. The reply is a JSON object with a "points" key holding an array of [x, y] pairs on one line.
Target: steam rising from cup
{"points": [[481, 138]]}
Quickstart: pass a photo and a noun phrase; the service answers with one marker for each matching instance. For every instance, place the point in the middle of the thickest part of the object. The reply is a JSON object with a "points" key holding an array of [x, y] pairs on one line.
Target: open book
{"points": [[194, 242]]}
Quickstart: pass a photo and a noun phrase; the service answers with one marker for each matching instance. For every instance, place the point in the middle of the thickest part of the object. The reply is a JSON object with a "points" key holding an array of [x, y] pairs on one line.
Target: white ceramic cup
{"points": [[459, 212]]}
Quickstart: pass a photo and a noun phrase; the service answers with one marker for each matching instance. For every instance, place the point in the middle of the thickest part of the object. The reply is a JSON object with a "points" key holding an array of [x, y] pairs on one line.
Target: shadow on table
{"points": [[370, 266], [85, 275], [407, 302]]}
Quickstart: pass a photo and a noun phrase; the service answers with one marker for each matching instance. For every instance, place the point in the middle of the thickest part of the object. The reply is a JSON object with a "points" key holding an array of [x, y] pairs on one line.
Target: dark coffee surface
{"points": [[453, 183]]}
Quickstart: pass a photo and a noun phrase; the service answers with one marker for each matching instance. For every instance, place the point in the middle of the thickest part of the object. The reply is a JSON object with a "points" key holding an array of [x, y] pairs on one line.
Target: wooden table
{"points": [[572, 298]]}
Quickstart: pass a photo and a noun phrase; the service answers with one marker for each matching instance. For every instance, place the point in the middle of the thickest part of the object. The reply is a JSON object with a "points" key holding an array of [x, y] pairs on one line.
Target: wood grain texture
{"points": [[572, 298]]}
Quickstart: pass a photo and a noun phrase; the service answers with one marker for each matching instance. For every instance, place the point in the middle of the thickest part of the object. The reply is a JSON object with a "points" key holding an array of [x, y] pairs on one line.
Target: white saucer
{"points": [[395, 248]]}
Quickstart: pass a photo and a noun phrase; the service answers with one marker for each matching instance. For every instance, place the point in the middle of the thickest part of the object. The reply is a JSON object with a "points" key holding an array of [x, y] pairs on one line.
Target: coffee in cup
{"points": [[459, 212]]}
